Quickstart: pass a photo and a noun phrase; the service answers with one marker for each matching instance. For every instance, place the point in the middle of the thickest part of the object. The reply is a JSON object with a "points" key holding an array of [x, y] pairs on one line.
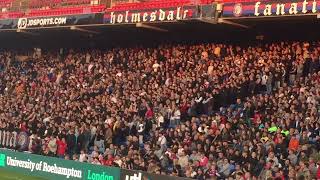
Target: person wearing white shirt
{"points": [[175, 117], [141, 131], [155, 66], [82, 157], [96, 161], [264, 80], [198, 99], [160, 120], [162, 141], [90, 67]]}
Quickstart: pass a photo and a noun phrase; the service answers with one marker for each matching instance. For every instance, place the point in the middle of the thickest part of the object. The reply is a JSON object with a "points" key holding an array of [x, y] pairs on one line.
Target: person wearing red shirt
{"points": [[184, 107], [109, 160], [23, 127], [149, 113], [294, 143], [62, 147], [214, 126], [203, 161], [278, 139], [257, 118]]}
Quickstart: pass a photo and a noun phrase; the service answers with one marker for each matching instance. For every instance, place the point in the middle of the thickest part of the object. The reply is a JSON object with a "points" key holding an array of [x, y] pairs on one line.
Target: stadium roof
{"points": [[117, 35]]}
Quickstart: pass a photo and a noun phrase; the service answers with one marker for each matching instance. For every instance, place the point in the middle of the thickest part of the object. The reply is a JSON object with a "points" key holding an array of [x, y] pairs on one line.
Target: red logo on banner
{"points": [[237, 10]]}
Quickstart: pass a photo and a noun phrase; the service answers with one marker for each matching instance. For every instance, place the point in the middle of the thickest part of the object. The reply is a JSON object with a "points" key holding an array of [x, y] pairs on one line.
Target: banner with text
{"points": [[55, 168], [270, 8], [54, 21], [82, 19], [152, 15]]}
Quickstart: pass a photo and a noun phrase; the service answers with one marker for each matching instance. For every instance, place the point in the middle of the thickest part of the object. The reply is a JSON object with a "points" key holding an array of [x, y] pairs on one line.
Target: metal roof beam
{"points": [[141, 25], [224, 21]]}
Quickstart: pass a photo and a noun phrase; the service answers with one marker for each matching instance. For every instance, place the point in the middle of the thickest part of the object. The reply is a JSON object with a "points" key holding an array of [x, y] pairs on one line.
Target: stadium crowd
{"points": [[205, 111]]}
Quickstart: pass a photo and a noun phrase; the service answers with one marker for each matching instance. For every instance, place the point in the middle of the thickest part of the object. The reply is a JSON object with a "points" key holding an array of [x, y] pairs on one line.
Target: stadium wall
{"points": [[54, 168]]}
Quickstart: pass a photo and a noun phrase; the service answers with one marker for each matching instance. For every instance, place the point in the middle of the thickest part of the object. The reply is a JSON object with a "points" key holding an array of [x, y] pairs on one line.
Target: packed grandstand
{"points": [[200, 110]]}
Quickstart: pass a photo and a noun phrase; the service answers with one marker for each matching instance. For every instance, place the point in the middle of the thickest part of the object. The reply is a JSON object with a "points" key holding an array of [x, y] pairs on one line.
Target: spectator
{"points": [[71, 142], [62, 147], [52, 145]]}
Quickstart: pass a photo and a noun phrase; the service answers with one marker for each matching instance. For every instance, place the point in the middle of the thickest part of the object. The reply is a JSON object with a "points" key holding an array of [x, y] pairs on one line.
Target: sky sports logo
{"points": [[2, 160], [24, 23]]}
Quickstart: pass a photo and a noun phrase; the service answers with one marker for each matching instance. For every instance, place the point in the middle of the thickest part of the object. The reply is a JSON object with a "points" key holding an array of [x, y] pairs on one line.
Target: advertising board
{"points": [[55, 168]]}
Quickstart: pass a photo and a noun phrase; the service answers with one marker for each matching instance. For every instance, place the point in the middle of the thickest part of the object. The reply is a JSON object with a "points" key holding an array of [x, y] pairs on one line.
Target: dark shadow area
{"points": [[273, 29]]}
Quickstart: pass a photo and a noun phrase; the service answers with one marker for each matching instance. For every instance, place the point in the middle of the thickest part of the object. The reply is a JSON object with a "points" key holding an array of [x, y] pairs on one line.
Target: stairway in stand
{"points": [[20, 5]]}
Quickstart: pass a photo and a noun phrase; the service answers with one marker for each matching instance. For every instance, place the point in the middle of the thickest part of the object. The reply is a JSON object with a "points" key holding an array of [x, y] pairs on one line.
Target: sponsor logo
{"points": [[151, 16], [237, 10], [134, 177], [2, 160], [24, 23], [43, 166], [98, 176]]}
